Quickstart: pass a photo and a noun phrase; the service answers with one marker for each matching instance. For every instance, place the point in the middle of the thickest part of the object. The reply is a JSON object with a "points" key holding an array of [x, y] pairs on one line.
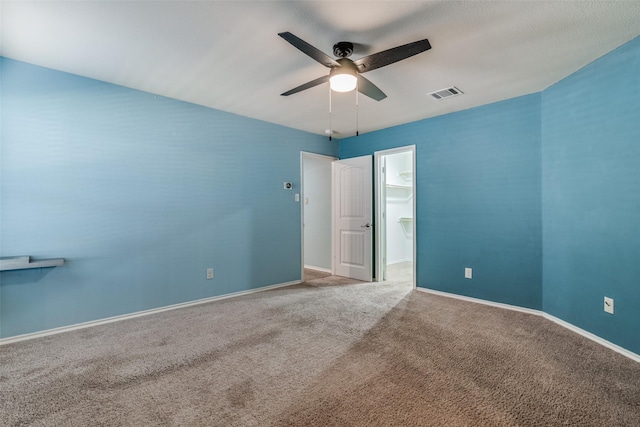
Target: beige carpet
{"points": [[400, 272], [328, 352]]}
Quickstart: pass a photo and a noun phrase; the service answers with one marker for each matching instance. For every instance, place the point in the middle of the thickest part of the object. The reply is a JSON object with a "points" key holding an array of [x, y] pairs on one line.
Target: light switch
{"points": [[297, 197]]}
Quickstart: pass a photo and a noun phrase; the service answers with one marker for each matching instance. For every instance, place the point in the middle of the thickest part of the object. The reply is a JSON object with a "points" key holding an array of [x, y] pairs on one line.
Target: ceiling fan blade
{"points": [[390, 56], [307, 85], [365, 87], [311, 51]]}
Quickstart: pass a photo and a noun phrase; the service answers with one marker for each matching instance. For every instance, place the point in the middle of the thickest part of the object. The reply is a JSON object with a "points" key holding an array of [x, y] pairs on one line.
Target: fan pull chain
{"points": [[330, 128], [357, 109]]}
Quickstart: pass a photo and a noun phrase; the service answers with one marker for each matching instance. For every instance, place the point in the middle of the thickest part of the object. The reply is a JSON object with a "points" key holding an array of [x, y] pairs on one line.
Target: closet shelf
{"points": [[407, 225], [24, 262], [403, 187], [407, 176], [399, 193]]}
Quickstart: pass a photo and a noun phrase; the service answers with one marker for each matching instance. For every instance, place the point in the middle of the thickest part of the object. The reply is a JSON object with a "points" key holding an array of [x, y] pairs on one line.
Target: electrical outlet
{"points": [[209, 273], [608, 305], [467, 273]]}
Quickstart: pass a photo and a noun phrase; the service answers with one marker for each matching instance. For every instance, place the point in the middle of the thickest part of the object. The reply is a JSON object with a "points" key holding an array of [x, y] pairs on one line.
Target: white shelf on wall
{"points": [[24, 262], [407, 225], [401, 187], [399, 193], [407, 176]]}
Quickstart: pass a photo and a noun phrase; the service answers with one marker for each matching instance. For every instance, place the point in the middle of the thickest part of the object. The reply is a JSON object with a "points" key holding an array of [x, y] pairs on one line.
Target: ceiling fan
{"points": [[345, 74]]}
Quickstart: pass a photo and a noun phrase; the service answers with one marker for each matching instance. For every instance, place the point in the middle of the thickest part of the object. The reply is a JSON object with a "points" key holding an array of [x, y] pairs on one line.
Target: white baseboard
{"points": [[631, 355], [324, 270], [98, 322], [482, 301]]}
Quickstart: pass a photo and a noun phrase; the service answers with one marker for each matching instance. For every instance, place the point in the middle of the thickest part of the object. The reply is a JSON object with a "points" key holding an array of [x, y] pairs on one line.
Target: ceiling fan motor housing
{"points": [[346, 67], [343, 49]]}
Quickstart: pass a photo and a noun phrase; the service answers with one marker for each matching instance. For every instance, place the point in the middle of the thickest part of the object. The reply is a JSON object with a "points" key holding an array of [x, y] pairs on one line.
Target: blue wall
{"points": [[540, 195], [591, 196], [140, 194], [478, 198]]}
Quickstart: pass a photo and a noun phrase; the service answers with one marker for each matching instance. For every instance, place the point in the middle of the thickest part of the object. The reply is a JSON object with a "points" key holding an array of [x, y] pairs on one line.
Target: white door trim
{"points": [[307, 154], [379, 208]]}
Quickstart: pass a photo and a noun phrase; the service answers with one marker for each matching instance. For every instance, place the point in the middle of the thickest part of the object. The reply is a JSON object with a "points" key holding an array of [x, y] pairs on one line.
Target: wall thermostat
{"points": [[288, 186]]}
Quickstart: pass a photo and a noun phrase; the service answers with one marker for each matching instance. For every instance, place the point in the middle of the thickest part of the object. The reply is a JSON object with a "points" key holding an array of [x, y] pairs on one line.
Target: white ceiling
{"points": [[227, 54]]}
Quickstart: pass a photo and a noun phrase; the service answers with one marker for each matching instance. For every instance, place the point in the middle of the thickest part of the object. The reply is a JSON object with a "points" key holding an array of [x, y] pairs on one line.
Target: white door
{"points": [[352, 217]]}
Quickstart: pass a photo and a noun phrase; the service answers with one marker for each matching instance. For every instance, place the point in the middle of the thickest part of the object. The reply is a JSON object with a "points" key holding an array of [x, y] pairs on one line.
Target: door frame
{"points": [[330, 159], [380, 207]]}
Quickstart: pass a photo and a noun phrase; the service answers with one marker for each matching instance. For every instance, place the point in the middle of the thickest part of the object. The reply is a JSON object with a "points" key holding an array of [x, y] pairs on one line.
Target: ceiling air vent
{"points": [[446, 93]]}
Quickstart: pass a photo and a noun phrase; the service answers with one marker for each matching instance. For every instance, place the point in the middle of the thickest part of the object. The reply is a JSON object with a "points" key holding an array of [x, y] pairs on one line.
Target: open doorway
{"points": [[395, 215], [316, 214]]}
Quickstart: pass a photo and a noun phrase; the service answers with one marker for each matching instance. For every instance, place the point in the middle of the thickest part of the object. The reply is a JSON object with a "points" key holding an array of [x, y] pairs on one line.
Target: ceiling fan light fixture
{"points": [[343, 82], [343, 79]]}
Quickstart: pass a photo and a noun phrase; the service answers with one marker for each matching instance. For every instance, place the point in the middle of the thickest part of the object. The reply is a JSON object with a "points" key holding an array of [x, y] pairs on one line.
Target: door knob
{"points": [[367, 225]]}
